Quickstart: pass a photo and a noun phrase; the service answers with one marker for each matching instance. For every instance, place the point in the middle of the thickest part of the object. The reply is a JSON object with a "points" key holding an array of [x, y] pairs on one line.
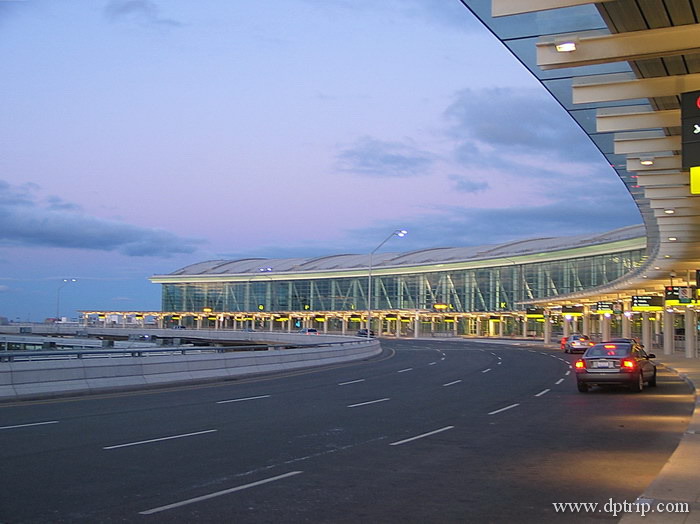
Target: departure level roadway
{"points": [[431, 431]]}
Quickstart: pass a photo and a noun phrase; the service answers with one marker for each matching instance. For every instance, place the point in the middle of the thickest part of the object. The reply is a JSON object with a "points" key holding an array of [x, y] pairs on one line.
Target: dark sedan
{"points": [[621, 363]]}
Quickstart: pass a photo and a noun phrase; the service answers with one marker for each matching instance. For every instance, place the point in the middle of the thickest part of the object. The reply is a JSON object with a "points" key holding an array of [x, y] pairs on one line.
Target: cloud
{"points": [[372, 157], [515, 121], [142, 11], [465, 185], [25, 222]]}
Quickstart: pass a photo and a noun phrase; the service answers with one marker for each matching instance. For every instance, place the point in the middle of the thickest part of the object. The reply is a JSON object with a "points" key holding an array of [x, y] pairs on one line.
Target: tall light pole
{"points": [[397, 233], [66, 281]]}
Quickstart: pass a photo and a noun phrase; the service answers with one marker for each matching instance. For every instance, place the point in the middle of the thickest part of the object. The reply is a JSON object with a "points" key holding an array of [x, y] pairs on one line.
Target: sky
{"points": [[141, 136]]}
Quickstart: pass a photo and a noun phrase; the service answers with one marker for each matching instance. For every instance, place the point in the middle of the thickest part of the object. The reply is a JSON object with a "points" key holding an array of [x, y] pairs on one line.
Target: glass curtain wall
{"points": [[492, 289]]}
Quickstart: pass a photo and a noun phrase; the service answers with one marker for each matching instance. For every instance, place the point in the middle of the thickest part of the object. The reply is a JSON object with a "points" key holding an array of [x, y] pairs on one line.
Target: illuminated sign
{"points": [[690, 137], [320, 319], [677, 295], [572, 311], [355, 318], [647, 303], [604, 307], [441, 306], [534, 312]]}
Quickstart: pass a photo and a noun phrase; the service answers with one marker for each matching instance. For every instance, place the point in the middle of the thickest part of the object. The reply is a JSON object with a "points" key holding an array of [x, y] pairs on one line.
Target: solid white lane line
{"points": [[160, 439], [452, 383], [218, 493], [398, 443], [30, 424], [543, 392], [242, 399], [486, 370], [504, 409], [366, 403], [404, 370], [559, 381], [351, 382]]}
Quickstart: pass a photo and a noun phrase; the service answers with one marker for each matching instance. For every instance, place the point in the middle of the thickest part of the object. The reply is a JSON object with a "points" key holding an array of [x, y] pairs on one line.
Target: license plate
{"points": [[603, 364]]}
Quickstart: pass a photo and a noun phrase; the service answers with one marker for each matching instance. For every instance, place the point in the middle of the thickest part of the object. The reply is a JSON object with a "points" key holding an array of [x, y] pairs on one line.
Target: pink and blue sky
{"points": [[140, 136]]}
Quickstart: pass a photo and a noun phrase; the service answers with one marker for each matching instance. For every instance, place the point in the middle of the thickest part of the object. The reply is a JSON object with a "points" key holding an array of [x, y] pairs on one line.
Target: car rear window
{"points": [[609, 350]]}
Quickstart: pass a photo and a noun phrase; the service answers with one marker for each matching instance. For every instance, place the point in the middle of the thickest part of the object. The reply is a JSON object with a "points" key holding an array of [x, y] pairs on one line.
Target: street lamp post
{"points": [[66, 281], [399, 233]]}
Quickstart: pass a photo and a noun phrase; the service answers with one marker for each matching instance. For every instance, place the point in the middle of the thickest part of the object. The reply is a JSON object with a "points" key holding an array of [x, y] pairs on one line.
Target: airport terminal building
{"points": [[477, 290]]}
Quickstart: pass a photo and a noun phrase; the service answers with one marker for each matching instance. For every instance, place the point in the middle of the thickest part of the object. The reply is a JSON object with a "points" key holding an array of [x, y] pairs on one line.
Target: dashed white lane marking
{"points": [[452, 383], [543, 392], [160, 439], [486, 370], [499, 362], [219, 493], [242, 399], [432, 363], [30, 424], [367, 403], [398, 443], [351, 382], [568, 373], [404, 370], [559, 381], [504, 409]]}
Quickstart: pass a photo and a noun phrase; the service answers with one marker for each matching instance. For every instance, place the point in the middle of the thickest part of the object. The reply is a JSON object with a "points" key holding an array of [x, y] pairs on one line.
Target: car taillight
{"points": [[580, 364], [628, 364], [591, 343]]}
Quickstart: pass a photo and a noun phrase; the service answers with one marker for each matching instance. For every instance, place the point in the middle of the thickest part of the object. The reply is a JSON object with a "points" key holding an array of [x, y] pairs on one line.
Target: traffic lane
{"points": [[307, 433], [491, 468]]}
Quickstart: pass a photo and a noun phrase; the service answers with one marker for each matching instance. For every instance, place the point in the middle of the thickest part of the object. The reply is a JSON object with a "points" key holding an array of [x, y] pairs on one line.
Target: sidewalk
{"points": [[679, 479]]}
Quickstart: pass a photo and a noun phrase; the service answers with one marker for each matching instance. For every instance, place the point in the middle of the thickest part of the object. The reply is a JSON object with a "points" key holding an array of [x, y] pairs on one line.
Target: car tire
{"points": [[652, 380], [582, 387], [638, 383]]}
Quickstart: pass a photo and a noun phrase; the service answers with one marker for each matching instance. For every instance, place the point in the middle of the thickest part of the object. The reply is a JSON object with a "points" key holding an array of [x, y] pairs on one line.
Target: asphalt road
{"points": [[433, 431]]}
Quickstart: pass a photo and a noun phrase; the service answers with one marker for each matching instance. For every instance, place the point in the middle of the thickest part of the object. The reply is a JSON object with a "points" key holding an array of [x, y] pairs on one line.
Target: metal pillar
{"points": [[605, 327], [669, 331], [646, 330], [547, 330], [691, 330]]}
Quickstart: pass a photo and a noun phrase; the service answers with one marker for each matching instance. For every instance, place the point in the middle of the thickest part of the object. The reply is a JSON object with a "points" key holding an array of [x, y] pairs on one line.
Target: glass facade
{"points": [[500, 288]]}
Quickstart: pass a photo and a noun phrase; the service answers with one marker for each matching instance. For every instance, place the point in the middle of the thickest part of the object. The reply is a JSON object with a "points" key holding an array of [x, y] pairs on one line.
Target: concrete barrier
{"points": [[40, 378]]}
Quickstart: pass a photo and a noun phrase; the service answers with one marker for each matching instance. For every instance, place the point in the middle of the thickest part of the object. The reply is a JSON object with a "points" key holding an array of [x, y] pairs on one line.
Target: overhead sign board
{"points": [[679, 295], [647, 303], [690, 137], [572, 311], [534, 312], [604, 307]]}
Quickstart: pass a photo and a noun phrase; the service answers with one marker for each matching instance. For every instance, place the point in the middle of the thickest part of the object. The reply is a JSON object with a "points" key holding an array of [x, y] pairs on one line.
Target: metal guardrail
{"points": [[69, 354]]}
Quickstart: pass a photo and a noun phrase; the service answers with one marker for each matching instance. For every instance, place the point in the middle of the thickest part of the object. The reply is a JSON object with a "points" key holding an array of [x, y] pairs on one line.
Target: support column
{"points": [[605, 327], [478, 326], [567, 326], [626, 324], [691, 330], [646, 331], [547, 329], [586, 329], [416, 326], [669, 332], [524, 321], [501, 321]]}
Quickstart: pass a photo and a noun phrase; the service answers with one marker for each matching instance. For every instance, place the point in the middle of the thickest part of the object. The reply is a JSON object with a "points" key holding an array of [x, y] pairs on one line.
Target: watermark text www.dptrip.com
{"points": [[641, 507]]}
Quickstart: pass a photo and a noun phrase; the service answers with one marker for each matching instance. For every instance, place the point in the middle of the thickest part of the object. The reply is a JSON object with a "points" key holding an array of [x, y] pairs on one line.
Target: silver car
{"points": [[577, 343], [615, 363]]}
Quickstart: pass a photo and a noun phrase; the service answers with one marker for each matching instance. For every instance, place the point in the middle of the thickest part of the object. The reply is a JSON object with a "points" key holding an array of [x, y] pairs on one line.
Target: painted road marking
{"points": [[404, 370], [242, 399], [219, 493], [160, 439], [398, 443], [504, 409], [559, 381], [30, 424], [432, 363], [543, 392], [452, 383], [366, 403], [486, 370], [351, 382]]}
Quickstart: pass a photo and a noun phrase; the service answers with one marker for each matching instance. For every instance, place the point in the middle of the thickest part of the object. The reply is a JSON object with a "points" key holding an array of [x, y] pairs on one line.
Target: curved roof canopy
{"points": [[619, 67], [269, 266]]}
